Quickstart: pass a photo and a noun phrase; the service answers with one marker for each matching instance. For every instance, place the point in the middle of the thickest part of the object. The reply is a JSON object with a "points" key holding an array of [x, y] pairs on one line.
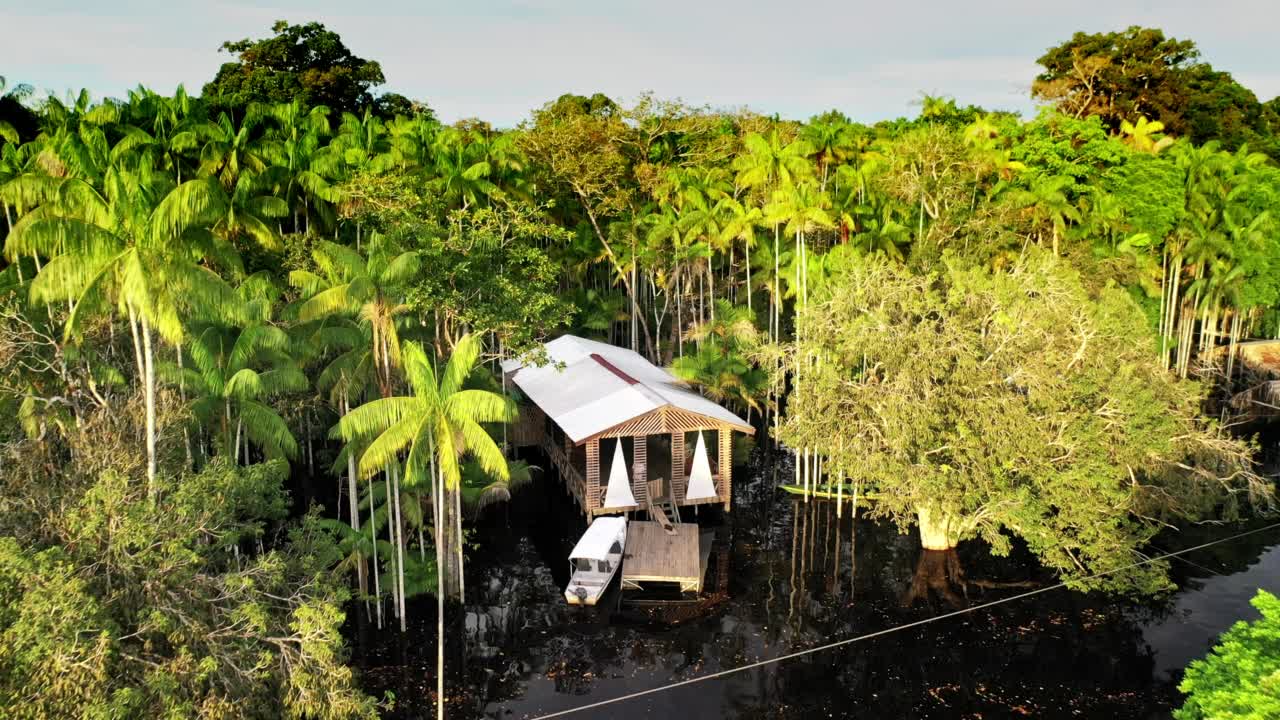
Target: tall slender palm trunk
{"points": [[437, 505], [150, 393], [373, 541], [395, 481], [353, 504], [456, 492]]}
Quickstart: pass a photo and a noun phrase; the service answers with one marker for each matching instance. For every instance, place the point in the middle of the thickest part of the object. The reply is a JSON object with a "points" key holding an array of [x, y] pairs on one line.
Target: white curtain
{"points": [[700, 483], [618, 493]]}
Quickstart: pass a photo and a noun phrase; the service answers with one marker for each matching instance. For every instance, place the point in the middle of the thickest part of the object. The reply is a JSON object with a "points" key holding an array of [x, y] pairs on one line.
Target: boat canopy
{"points": [[599, 538]]}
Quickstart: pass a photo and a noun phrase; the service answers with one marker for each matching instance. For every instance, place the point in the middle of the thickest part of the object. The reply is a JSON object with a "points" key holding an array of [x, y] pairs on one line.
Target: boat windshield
{"points": [[602, 566], [581, 564]]}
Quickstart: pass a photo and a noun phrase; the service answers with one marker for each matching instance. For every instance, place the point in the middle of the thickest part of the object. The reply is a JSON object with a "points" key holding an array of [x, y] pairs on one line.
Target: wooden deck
{"points": [[654, 556]]}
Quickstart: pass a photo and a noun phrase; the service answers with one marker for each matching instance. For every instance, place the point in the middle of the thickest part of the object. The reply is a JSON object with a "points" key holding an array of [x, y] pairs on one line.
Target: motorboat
{"points": [[596, 559]]}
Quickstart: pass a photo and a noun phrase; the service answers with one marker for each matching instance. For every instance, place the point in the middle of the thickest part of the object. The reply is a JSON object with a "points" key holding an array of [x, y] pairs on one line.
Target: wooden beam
{"points": [[591, 500], [665, 420], [639, 468], [678, 479]]}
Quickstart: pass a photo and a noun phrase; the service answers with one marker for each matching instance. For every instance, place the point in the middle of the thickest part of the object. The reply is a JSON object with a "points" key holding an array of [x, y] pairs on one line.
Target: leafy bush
{"points": [[168, 609], [1240, 678]]}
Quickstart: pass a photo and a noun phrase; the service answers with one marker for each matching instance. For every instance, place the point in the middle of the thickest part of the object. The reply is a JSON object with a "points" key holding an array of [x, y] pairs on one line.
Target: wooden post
{"points": [[639, 467], [726, 467], [569, 484], [591, 498], [678, 480]]}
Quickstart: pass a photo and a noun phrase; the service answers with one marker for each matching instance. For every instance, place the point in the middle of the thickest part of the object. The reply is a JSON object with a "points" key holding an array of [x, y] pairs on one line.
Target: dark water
{"points": [[796, 577]]}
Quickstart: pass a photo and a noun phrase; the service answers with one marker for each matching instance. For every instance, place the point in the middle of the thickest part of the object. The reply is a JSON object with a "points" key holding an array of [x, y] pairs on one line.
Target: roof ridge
{"points": [[614, 369]]}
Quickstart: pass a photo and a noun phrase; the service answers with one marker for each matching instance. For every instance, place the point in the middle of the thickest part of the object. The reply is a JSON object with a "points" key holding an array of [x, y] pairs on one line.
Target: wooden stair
{"points": [[664, 509]]}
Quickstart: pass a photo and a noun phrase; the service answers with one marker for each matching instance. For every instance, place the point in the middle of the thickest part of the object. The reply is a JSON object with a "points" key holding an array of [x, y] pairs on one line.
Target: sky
{"points": [[497, 60]]}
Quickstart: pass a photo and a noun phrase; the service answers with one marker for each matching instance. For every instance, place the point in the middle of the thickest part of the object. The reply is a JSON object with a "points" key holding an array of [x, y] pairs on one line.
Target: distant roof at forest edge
{"points": [[587, 387]]}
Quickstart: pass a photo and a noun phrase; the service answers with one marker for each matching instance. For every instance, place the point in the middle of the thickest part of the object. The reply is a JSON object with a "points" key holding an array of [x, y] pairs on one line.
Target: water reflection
{"points": [[793, 575]]}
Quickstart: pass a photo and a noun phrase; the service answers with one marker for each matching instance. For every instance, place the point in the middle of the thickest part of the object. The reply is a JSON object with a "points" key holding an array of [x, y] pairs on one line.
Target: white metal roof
{"points": [[598, 538], [588, 387]]}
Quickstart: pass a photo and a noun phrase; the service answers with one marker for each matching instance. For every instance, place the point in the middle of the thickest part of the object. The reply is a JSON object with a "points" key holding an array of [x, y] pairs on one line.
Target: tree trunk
{"points": [[373, 540], [456, 492], [137, 345], [437, 511], [391, 534], [938, 572], [395, 480], [150, 392], [595, 225], [938, 530], [353, 503]]}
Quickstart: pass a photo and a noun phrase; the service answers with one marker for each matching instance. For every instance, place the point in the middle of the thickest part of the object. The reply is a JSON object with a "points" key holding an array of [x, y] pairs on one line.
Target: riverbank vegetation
{"points": [[1238, 678], [219, 310]]}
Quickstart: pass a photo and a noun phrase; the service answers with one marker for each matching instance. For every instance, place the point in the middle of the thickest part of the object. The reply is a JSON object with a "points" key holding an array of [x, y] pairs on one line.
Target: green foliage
{"points": [[306, 62], [994, 400], [1138, 72], [1150, 190], [121, 615], [289, 226], [481, 489], [722, 363], [1240, 678]]}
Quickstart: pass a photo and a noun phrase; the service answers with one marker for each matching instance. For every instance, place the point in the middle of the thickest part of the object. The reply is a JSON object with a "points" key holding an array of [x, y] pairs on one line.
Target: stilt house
{"points": [[593, 405]]}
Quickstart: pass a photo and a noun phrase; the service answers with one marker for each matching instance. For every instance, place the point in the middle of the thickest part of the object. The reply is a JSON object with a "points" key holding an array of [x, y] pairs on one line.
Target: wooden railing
{"points": [[574, 483]]}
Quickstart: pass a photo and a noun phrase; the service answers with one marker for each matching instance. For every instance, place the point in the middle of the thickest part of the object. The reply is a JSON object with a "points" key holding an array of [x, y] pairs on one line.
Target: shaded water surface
{"points": [[798, 577]]}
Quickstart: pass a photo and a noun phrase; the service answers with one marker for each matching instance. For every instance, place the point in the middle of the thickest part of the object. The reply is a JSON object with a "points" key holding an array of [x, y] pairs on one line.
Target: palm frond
{"points": [[461, 363], [374, 417], [388, 445], [266, 428]]}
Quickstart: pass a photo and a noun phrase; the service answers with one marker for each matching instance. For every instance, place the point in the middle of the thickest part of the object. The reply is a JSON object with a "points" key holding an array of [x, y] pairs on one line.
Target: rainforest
{"points": [[1004, 390]]}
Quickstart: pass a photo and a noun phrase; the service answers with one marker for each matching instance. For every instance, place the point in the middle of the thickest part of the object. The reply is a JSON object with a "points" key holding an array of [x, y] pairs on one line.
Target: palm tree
{"points": [[800, 210], [138, 246], [231, 373], [462, 168], [883, 235], [767, 162], [17, 94], [1046, 202], [226, 151], [434, 428], [832, 139], [480, 490], [370, 288], [739, 220], [1145, 135], [299, 136], [768, 166], [721, 366], [933, 107]]}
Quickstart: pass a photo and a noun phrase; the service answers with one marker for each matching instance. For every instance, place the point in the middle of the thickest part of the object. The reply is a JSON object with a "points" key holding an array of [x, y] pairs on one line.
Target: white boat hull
{"points": [[586, 587]]}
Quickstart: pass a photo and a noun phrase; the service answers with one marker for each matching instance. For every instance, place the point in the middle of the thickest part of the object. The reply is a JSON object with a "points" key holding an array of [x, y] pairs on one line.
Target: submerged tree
{"points": [[1009, 404]]}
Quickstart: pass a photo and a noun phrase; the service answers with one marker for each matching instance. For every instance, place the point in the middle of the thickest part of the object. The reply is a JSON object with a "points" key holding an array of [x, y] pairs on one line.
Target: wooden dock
{"points": [[654, 556]]}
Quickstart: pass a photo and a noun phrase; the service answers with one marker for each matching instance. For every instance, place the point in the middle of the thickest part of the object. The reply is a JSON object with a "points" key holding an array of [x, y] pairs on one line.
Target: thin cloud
{"points": [[499, 60]]}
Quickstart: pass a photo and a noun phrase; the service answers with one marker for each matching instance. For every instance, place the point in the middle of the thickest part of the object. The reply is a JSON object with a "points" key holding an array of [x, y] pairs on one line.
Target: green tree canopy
{"points": [[1006, 404], [1120, 76], [306, 61]]}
